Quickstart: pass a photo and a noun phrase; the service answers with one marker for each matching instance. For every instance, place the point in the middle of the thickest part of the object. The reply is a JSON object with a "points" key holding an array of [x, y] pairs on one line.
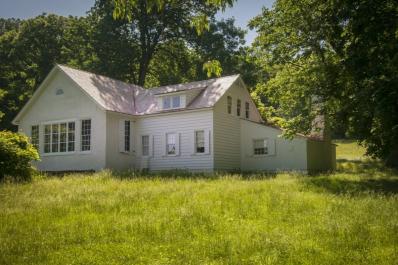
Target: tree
{"points": [[28, 53], [332, 57], [155, 22]]}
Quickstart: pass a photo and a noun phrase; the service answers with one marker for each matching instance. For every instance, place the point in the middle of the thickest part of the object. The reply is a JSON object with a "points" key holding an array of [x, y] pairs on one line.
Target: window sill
{"points": [[58, 154], [170, 155], [200, 154], [127, 153], [66, 153], [259, 156]]}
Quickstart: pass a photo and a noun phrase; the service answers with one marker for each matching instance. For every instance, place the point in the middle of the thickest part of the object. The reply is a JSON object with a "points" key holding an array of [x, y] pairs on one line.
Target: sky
{"points": [[242, 11]]}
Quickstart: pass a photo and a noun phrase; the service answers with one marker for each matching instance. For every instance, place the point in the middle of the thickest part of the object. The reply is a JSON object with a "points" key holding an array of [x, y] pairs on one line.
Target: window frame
{"points": [[167, 144], [35, 140], [238, 107], [247, 110], [229, 104], [82, 135], [143, 146], [171, 99], [127, 136], [196, 142], [265, 142], [50, 143]]}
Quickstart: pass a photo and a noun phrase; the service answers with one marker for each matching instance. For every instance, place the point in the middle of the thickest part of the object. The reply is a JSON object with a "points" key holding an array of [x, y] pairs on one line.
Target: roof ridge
{"points": [[114, 79], [193, 82]]}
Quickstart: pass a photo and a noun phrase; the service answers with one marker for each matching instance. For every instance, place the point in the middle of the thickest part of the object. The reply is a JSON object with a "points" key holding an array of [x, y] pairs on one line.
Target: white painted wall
{"points": [[74, 104], [184, 123], [115, 159], [289, 155], [227, 132]]}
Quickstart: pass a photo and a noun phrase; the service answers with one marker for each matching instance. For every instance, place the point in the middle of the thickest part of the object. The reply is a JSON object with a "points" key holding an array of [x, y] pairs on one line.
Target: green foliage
{"points": [[212, 67], [334, 58], [348, 217], [28, 52], [16, 154]]}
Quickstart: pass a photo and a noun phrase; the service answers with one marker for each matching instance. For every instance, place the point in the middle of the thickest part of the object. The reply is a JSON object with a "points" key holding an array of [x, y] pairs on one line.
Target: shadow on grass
{"points": [[166, 175], [183, 174], [357, 177]]}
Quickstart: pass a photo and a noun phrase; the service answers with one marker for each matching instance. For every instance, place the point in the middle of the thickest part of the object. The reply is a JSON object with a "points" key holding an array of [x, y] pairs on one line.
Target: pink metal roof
{"points": [[118, 96]]}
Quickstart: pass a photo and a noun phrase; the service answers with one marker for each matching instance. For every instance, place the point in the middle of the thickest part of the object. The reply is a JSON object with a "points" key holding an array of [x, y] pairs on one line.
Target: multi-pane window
{"points": [[176, 102], [238, 106], [47, 138], [54, 138], [127, 136], [35, 136], [247, 108], [171, 142], [199, 141], [260, 147], [71, 136], [63, 137], [59, 137], [145, 145], [166, 102], [171, 102], [86, 135], [229, 105]]}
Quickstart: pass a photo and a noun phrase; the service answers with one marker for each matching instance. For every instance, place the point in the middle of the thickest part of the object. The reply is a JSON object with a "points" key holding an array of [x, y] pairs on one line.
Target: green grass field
{"points": [[348, 217]]}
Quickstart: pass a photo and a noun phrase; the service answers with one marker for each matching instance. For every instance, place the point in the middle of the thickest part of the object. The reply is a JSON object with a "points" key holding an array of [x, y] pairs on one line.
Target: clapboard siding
{"points": [[72, 105], [183, 123], [287, 155], [227, 133], [114, 158]]}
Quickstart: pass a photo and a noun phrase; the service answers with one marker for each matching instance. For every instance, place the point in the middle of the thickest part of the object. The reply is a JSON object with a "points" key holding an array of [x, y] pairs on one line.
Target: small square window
{"points": [[260, 147]]}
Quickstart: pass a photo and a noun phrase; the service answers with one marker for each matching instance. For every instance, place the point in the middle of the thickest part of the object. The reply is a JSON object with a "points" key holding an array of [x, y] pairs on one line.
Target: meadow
{"points": [[346, 217]]}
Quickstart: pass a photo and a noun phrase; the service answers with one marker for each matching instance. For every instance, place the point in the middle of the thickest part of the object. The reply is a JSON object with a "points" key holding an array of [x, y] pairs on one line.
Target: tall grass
{"points": [[349, 217]]}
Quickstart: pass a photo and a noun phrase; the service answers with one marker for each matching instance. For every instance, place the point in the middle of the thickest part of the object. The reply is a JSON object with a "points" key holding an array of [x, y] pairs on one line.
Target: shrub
{"points": [[16, 154]]}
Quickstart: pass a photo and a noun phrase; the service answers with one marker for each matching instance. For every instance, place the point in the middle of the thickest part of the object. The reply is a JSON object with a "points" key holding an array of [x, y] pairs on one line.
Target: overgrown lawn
{"points": [[348, 217]]}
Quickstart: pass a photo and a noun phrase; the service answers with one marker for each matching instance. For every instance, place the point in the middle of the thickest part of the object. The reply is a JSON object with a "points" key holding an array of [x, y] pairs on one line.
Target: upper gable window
{"points": [[171, 102], [238, 106], [247, 107], [229, 104]]}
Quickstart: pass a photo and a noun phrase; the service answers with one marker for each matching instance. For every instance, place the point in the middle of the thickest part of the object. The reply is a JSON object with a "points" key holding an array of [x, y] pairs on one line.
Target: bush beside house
{"points": [[16, 155]]}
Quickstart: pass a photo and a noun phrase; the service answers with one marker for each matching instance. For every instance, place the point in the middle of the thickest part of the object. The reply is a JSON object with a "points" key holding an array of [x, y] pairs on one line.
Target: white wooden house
{"points": [[83, 121]]}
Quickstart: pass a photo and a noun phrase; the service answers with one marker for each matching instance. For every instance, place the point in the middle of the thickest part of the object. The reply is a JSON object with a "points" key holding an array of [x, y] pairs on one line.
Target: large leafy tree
{"points": [[336, 58], [153, 23], [29, 51]]}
